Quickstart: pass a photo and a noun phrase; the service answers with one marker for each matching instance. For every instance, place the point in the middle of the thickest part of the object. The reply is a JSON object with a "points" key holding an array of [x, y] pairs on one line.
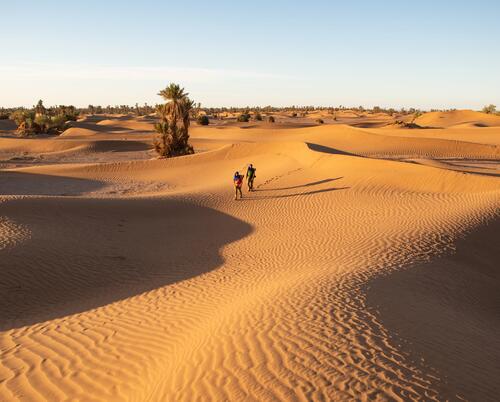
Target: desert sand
{"points": [[363, 267]]}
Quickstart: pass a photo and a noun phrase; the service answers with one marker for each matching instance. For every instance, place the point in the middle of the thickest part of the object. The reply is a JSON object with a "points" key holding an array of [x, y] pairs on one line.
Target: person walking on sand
{"points": [[251, 176], [238, 182]]}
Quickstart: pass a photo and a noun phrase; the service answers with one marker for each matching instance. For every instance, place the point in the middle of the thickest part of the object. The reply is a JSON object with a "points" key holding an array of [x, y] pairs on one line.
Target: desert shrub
{"points": [[20, 116], [59, 120], [294, 114], [244, 118], [258, 117], [42, 124], [319, 121], [416, 115], [405, 124], [68, 113], [203, 120], [271, 119], [490, 109]]}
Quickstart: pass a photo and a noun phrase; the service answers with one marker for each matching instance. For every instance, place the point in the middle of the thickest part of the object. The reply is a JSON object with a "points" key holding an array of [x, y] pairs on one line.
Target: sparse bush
{"points": [[244, 118], [404, 124], [60, 120], [258, 117], [416, 115], [19, 116], [294, 114], [271, 119], [66, 113], [203, 120], [319, 121], [490, 109]]}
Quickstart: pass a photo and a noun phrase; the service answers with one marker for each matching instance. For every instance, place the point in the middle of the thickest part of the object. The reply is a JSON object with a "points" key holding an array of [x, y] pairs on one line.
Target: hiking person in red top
{"points": [[238, 182]]}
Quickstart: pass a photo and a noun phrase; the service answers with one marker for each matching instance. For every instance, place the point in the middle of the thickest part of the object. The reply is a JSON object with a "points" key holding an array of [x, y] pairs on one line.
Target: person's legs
{"points": [[237, 190]]}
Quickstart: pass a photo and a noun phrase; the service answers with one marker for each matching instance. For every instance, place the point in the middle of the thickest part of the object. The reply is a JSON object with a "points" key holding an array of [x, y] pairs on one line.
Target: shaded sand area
{"points": [[363, 267]]}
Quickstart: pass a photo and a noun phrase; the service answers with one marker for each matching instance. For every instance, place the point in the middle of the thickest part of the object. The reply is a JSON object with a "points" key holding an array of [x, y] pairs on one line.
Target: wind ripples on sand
{"points": [[185, 294]]}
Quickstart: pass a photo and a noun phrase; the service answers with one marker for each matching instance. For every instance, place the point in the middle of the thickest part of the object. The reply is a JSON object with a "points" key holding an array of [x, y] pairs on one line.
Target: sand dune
{"points": [[459, 118], [347, 275]]}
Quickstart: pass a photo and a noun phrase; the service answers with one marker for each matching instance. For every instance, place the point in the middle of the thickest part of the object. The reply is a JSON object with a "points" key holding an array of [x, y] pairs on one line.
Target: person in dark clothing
{"points": [[251, 176]]}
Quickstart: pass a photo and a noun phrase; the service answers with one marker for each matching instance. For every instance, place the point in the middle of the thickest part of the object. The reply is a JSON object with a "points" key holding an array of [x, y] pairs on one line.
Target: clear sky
{"points": [[443, 54]]}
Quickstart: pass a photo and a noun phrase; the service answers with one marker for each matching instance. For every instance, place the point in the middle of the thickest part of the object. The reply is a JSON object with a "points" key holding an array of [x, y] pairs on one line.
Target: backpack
{"points": [[238, 180]]}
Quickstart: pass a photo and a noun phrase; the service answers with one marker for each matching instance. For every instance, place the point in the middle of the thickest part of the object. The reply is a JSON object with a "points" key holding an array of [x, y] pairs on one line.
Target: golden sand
{"points": [[363, 267]]}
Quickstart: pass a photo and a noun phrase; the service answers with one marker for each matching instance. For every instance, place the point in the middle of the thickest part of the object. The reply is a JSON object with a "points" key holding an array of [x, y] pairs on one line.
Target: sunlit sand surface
{"points": [[364, 266]]}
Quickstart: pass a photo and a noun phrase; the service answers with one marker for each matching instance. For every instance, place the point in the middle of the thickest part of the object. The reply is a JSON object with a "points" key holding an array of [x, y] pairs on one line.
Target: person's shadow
{"points": [[301, 186]]}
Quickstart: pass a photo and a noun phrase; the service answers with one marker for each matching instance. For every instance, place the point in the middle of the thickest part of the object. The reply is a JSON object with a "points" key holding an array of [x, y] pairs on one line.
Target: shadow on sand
{"points": [[314, 183], [108, 128], [21, 183], [81, 254], [445, 314], [270, 197], [328, 150]]}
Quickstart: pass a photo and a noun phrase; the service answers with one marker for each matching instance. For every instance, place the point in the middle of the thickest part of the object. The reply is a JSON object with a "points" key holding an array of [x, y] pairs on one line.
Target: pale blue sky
{"points": [[443, 54]]}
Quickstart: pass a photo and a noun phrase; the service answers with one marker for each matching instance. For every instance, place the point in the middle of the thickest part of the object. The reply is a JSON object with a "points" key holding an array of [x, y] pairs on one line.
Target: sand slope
{"points": [[461, 118], [346, 275]]}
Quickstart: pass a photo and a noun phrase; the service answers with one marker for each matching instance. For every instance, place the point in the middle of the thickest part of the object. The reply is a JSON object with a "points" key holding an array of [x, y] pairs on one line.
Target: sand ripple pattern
{"points": [[266, 303]]}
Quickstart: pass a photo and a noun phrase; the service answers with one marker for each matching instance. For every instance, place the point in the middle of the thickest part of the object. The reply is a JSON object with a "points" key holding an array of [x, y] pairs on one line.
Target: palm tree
{"points": [[173, 127], [177, 102], [39, 108]]}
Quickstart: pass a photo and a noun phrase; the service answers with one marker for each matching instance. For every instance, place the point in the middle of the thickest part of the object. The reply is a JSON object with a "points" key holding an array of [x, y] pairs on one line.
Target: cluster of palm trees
{"points": [[42, 120], [173, 128]]}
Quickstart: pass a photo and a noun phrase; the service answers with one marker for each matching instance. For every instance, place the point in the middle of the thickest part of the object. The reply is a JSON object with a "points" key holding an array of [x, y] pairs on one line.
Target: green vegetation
{"points": [[40, 120], [203, 120], [173, 127], [244, 117], [416, 115], [490, 109]]}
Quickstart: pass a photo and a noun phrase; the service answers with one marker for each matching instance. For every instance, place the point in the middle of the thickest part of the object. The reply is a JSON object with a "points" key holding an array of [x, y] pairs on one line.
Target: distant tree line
{"points": [[53, 120]]}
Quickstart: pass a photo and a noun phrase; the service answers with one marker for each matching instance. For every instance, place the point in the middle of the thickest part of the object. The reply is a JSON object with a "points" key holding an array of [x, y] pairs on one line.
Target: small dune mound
{"points": [[458, 117], [127, 124], [107, 122], [78, 132]]}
